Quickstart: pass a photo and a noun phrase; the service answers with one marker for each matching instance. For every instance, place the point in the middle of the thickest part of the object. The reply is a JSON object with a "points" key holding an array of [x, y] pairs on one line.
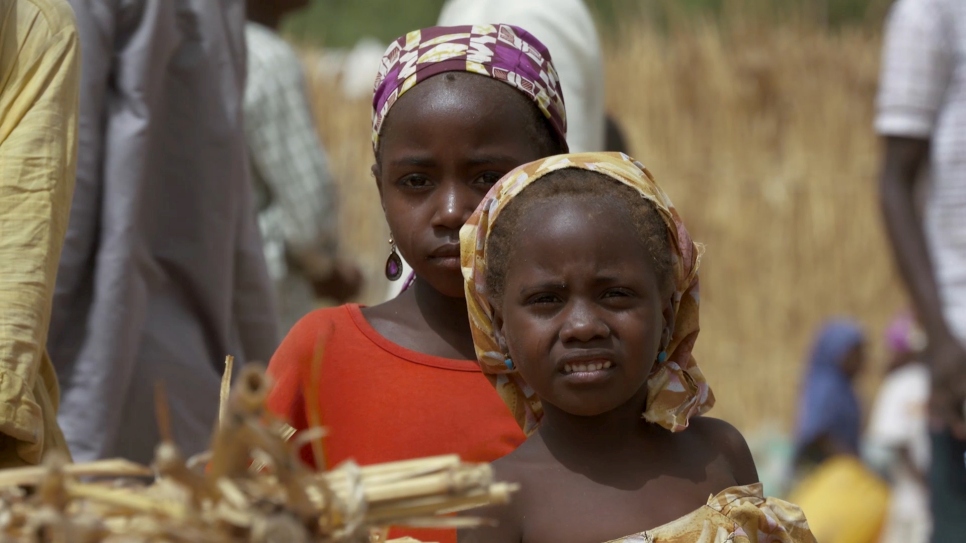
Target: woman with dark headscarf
{"points": [[844, 500], [829, 417]]}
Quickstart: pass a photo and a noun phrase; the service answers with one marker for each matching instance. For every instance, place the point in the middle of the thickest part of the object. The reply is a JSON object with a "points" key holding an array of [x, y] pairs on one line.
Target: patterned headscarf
{"points": [[677, 389], [504, 52]]}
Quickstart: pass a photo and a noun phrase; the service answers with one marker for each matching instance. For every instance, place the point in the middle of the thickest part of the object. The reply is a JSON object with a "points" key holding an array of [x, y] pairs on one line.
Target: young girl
{"points": [[582, 287], [454, 110]]}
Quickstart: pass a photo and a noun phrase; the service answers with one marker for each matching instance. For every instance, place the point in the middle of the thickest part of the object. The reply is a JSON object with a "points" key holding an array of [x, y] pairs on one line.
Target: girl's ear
{"points": [[669, 314], [498, 329], [375, 176]]}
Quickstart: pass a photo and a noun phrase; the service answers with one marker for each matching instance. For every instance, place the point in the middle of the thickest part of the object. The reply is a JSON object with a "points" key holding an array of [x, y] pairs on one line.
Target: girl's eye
{"points": [[617, 293], [489, 178], [415, 181], [543, 299]]}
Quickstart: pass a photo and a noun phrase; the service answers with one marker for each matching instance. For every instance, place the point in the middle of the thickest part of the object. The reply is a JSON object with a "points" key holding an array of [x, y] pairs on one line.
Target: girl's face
{"points": [[582, 314], [444, 145]]}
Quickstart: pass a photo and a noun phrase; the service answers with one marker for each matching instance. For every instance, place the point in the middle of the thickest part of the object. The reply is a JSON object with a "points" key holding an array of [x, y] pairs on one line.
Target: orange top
{"points": [[381, 402]]}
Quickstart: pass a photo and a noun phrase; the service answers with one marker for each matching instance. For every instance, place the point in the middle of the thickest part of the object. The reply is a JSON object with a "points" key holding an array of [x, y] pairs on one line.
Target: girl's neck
{"points": [[444, 315], [609, 434], [440, 311]]}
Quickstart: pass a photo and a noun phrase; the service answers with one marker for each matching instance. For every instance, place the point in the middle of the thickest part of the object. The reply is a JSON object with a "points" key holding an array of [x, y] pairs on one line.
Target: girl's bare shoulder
{"points": [[724, 438]]}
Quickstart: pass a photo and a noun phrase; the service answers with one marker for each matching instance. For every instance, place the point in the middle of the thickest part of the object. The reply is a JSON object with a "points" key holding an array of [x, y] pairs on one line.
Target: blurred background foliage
{"points": [[340, 23]]}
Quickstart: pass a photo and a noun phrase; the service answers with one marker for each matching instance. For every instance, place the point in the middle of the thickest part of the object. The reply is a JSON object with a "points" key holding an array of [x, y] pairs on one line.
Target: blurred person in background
{"points": [[897, 439], [295, 194], [162, 272], [844, 501], [567, 28], [39, 84], [921, 113], [616, 140], [829, 416]]}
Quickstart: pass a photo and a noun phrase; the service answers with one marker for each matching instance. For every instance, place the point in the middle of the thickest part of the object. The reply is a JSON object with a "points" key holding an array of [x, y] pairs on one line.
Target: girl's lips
{"points": [[447, 261], [446, 256], [446, 251], [583, 367], [587, 372]]}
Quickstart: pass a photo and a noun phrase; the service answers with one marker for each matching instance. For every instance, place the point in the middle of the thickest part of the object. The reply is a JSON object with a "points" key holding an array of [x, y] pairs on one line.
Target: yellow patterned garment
{"points": [[39, 81], [740, 514], [677, 389]]}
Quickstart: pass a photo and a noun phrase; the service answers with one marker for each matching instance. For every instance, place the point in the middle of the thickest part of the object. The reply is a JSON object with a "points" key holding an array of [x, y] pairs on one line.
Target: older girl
{"points": [[454, 109]]}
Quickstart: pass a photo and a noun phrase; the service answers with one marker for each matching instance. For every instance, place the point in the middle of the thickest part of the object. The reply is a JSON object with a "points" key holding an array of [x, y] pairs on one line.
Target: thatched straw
{"points": [[254, 489]]}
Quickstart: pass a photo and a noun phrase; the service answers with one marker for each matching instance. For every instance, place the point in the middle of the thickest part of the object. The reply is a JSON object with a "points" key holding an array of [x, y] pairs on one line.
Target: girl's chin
{"points": [[582, 408], [598, 401], [447, 284]]}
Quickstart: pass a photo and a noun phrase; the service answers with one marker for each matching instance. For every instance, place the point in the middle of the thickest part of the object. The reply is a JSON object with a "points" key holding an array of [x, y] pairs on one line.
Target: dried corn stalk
{"points": [[254, 488]]}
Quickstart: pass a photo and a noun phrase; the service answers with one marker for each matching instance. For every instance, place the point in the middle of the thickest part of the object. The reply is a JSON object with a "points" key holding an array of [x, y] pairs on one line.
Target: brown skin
{"points": [[614, 138], [854, 361], [595, 470], [946, 356], [901, 359], [341, 281], [443, 146], [342, 284]]}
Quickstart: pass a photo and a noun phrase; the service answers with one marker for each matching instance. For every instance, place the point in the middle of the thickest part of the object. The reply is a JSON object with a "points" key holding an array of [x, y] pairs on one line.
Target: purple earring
{"points": [[394, 267]]}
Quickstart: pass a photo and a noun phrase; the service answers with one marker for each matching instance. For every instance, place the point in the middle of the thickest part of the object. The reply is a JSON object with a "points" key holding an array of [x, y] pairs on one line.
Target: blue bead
{"points": [[509, 363], [661, 357]]}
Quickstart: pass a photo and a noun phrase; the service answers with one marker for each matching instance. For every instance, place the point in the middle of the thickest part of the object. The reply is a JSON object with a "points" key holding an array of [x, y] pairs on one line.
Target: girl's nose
{"points": [[454, 206], [581, 324]]}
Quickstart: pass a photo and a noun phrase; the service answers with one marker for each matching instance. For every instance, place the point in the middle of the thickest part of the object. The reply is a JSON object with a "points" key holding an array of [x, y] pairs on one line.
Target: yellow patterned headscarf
{"points": [[677, 389]]}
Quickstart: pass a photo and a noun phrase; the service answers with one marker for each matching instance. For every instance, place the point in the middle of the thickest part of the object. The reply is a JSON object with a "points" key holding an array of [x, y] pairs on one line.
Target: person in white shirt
{"points": [[295, 195], [897, 438], [921, 113], [567, 28]]}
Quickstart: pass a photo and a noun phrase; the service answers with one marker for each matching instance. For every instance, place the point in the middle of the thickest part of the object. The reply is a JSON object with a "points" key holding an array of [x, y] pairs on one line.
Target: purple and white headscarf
{"points": [[504, 52]]}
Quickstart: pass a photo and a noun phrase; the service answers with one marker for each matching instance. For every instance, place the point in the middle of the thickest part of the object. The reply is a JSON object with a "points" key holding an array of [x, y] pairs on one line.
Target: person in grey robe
{"points": [[162, 273]]}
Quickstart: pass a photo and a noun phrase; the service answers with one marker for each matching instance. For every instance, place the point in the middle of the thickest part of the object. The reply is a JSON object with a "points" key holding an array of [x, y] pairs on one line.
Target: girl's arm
{"points": [[505, 530], [507, 525]]}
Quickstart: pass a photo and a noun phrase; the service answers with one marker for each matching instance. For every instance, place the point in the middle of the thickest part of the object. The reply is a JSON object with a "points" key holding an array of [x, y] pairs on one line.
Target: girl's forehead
{"points": [[476, 93], [564, 247], [475, 112], [564, 222]]}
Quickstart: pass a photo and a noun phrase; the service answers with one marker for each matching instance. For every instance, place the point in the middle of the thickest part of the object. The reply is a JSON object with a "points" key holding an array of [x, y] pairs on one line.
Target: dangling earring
{"points": [[394, 267], [509, 363], [665, 340]]}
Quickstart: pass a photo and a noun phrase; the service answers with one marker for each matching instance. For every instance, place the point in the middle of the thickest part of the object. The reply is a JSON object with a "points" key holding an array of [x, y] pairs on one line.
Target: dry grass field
{"points": [[762, 135]]}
